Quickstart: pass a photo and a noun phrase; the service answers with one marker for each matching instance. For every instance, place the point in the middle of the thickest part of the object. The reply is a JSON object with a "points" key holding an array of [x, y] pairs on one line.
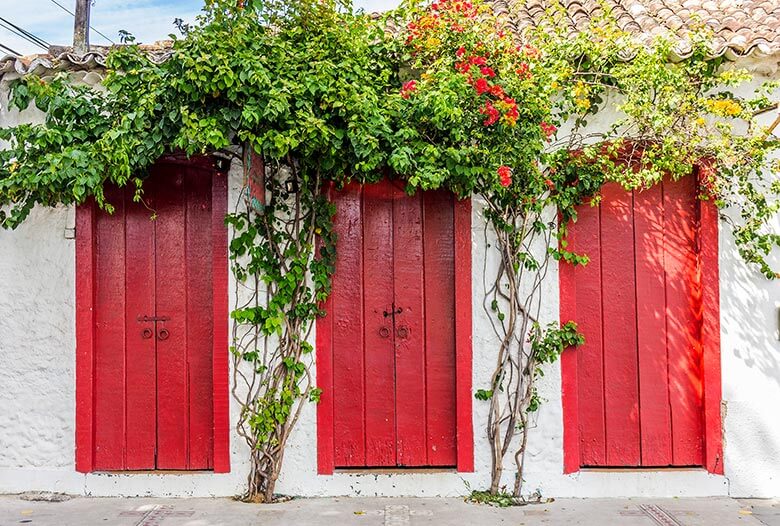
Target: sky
{"points": [[147, 20]]}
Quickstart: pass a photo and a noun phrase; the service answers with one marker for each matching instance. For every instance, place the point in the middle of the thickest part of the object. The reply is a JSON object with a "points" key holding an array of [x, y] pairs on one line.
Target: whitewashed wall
{"points": [[37, 386]]}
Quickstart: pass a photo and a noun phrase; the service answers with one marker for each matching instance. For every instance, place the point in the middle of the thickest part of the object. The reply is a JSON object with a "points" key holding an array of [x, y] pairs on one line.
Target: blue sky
{"points": [[147, 20]]}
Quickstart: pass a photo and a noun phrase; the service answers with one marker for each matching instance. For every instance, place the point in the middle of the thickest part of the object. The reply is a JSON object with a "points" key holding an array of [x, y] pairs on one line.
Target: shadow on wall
{"points": [[749, 317]]}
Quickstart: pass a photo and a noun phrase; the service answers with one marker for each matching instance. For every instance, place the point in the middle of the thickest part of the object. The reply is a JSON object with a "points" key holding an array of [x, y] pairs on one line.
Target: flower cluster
{"points": [[504, 175], [442, 15], [479, 75], [408, 88]]}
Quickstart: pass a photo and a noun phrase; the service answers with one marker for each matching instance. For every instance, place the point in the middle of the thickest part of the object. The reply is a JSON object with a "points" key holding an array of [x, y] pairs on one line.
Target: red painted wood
{"points": [[683, 321], [347, 307], [220, 367], [379, 373], [655, 418], [408, 283], [116, 257], [710, 330], [463, 342], [439, 321], [621, 389], [569, 401], [590, 358], [200, 325], [675, 250], [422, 356], [85, 336], [110, 337], [140, 380], [171, 301]]}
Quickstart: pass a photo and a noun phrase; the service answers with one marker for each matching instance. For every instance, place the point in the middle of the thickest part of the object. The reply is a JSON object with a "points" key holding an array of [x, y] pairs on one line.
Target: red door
{"points": [[638, 303], [393, 332], [153, 325]]}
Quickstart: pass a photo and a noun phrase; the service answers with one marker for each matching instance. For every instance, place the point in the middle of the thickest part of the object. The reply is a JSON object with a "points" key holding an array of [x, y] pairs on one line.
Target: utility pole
{"points": [[81, 27]]}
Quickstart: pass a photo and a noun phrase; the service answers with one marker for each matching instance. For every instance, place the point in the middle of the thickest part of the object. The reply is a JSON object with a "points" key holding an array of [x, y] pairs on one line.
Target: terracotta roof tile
{"points": [[740, 27]]}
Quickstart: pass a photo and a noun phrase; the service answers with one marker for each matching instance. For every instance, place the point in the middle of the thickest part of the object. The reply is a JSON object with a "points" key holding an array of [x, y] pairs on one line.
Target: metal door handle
{"points": [[402, 331], [384, 332], [147, 333], [163, 334]]}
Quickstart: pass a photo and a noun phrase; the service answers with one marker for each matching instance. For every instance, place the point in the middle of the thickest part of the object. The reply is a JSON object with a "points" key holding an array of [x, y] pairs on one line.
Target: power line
{"points": [[71, 13], [13, 28], [9, 50]]}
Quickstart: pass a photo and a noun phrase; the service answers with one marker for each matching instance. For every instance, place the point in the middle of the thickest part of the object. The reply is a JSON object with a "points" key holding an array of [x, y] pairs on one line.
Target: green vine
{"points": [[439, 94]]}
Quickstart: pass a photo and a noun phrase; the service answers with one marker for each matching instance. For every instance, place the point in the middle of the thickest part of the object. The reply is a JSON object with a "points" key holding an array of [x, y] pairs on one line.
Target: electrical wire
{"points": [[9, 50], [71, 13], [23, 33]]}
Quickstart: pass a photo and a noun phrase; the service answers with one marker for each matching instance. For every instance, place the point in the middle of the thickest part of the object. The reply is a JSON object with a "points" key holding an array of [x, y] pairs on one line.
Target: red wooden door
{"points": [[638, 303], [154, 325], [393, 309]]}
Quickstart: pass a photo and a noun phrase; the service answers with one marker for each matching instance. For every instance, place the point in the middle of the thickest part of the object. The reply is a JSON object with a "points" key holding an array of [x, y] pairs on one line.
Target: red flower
{"points": [[408, 88], [548, 129], [478, 60], [523, 70], [491, 114], [549, 184], [481, 85], [504, 175], [497, 91], [435, 6], [460, 51], [462, 67], [487, 71]]}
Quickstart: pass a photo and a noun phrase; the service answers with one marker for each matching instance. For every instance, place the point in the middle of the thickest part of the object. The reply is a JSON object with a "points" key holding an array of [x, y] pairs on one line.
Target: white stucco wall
{"points": [[37, 369]]}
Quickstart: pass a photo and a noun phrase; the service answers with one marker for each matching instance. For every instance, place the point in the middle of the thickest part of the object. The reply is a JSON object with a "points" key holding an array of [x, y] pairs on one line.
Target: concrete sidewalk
{"points": [[81, 511]]}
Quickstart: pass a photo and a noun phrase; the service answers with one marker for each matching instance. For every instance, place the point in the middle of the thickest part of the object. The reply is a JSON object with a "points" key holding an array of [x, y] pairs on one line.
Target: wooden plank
{"points": [[590, 361], [378, 298], [408, 280], [200, 322], [220, 369], [110, 336], [655, 417], [172, 407], [440, 378], [710, 331], [347, 301], [621, 390], [85, 336], [569, 402], [463, 335], [140, 347], [683, 321], [324, 360]]}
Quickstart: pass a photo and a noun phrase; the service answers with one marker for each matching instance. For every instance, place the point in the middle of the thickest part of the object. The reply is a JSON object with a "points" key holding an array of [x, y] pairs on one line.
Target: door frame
{"points": [[710, 340], [85, 321], [463, 357]]}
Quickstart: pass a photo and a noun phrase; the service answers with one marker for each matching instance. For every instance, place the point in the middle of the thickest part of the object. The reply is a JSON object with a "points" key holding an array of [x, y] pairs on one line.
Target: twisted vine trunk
{"points": [[514, 299]]}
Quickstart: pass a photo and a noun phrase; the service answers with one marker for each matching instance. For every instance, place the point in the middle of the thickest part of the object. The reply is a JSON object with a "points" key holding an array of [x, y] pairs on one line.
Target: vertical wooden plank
{"points": [[710, 330], [621, 375], [408, 279], [568, 312], [655, 417], [347, 311], [110, 336], [220, 368], [683, 321], [378, 298], [200, 322], [590, 360], [141, 397], [172, 406], [85, 336], [463, 335], [439, 263]]}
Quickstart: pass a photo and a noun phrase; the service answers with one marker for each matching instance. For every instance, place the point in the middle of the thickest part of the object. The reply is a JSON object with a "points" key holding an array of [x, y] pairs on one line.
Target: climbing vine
{"points": [[310, 95]]}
